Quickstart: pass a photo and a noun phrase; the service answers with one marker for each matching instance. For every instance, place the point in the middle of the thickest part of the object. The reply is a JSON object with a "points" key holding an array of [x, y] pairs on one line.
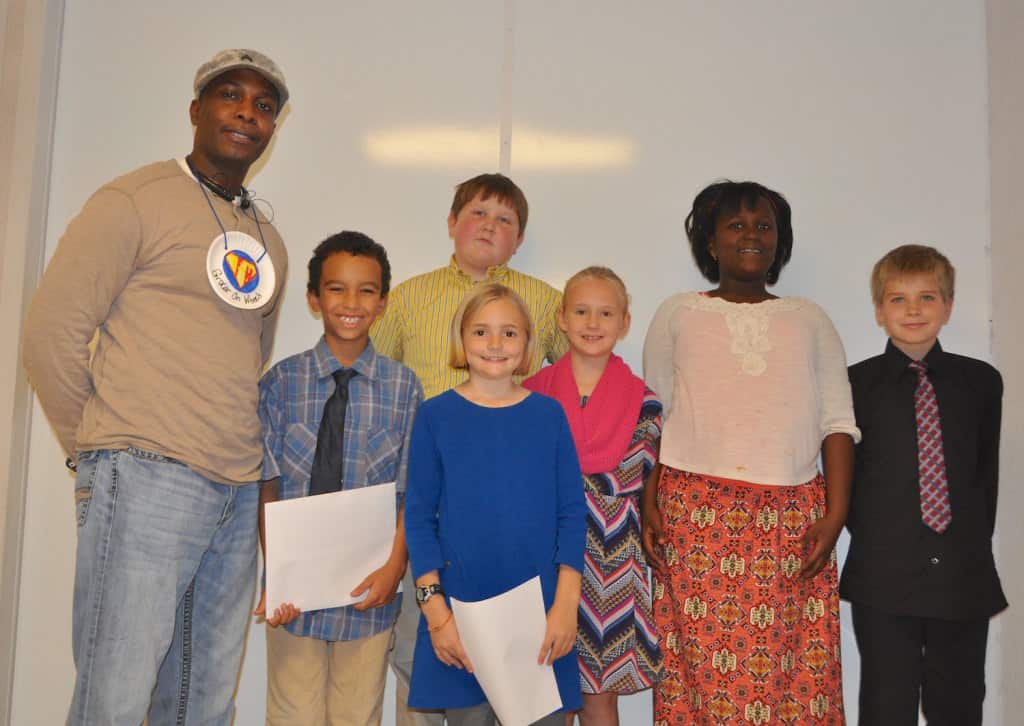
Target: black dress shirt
{"points": [[895, 563]]}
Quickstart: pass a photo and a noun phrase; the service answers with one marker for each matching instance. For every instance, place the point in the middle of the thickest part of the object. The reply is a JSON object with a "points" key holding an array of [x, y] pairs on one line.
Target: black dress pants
{"points": [[905, 660]]}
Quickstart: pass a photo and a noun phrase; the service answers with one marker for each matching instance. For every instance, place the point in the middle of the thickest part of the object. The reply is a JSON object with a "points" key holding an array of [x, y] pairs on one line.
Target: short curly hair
{"points": [[354, 243], [727, 197]]}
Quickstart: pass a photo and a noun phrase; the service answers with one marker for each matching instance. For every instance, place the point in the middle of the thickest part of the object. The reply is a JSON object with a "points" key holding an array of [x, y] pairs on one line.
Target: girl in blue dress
{"points": [[493, 500]]}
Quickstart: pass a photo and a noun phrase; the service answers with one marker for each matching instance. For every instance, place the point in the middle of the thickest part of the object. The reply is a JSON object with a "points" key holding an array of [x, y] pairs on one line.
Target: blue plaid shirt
{"points": [[382, 403]]}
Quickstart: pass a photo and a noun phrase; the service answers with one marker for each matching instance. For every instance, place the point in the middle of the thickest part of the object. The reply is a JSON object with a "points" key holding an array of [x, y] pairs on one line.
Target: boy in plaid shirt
{"points": [[329, 666]]}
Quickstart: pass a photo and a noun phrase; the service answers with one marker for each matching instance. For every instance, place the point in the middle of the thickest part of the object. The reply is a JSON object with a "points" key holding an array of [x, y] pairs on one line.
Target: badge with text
{"points": [[240, 271]]}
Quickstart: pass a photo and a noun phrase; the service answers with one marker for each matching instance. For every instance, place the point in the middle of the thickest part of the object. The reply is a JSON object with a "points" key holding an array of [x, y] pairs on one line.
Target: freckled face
{"points": [[486, 233]]}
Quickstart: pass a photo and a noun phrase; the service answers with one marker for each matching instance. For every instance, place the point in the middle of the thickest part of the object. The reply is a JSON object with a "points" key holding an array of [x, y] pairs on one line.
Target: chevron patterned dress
{"points": [[618, 640]]}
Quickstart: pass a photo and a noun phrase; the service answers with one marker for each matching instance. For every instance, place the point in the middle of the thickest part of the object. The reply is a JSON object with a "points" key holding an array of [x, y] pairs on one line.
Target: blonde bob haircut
{"points": [[598, 272], [474, 302], [913, 260]]}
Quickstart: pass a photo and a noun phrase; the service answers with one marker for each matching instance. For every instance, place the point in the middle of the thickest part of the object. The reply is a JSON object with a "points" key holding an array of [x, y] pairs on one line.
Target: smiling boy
{"points": [[329, 666], [920, 573], [177, 275]]}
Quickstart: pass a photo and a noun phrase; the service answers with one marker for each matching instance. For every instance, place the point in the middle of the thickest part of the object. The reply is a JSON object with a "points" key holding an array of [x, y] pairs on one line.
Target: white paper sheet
{"points": [[320, 548], [502, 637]]}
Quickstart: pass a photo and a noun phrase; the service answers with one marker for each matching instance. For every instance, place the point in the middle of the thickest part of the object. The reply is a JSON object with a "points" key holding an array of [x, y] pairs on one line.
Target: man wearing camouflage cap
{"points": [[178, 276]]}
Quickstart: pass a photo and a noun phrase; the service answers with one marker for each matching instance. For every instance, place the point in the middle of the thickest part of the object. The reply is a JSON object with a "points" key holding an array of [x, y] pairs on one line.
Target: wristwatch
{"points": [[426, 592]]}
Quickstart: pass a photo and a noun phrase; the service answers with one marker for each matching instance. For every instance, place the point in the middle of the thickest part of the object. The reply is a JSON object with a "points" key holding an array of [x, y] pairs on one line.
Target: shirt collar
{"points": [[498, 273], [183, 165], [326, 363], [897, 362]]}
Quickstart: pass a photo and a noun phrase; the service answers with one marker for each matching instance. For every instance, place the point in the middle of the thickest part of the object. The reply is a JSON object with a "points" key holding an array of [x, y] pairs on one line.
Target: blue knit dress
{"points": [[493, 499]]}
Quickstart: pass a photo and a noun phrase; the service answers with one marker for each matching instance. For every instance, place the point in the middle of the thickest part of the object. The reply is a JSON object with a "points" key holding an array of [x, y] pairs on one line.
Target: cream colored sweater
{"points": [[175, 369], [750, 390]]}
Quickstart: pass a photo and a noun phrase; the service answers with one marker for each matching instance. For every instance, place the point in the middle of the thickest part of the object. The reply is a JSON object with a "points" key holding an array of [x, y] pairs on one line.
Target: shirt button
{"points": [[934, 560]]}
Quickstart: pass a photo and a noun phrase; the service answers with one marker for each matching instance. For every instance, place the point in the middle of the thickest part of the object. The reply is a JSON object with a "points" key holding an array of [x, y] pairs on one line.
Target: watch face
{"points": [[424, 592]]}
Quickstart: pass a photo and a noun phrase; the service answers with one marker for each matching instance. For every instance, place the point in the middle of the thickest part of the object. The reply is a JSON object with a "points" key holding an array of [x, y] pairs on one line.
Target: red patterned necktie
{"points": [[931, 460]]}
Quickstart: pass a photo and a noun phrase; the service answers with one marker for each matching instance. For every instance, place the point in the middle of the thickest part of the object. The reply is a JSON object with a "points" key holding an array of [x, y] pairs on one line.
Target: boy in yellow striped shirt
{"points": [[486, 224]]}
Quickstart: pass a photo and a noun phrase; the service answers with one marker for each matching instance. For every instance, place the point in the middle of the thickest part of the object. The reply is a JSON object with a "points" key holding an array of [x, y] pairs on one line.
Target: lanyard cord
{"points": [[202, 187]]}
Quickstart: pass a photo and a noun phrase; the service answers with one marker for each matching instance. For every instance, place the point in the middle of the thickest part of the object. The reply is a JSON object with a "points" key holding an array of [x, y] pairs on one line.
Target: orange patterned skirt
{"points": [[745, 639]]}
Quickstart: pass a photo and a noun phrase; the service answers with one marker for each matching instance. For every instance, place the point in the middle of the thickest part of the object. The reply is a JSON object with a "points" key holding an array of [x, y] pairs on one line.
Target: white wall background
{"points": [[870, 116], [1006, 102]]}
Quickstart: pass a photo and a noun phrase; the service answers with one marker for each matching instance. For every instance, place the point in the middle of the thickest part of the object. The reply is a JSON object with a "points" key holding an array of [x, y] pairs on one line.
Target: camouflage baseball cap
{"points": [[229, 60]]}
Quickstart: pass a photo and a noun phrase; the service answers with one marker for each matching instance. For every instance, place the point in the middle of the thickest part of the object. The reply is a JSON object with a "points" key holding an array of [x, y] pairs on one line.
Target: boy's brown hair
{"points": [[480, 296], [912, 260], [488, 185]]}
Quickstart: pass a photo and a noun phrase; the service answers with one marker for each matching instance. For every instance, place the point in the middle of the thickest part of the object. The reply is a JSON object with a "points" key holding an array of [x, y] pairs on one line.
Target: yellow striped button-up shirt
{"points": [[414, 328]]}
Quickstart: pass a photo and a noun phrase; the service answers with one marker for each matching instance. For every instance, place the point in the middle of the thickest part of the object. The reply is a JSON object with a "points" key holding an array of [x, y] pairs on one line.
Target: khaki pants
{"points": [[312, 682]]}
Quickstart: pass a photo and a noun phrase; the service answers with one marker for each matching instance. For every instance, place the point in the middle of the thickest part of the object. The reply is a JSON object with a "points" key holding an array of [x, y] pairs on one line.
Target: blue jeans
{"points": [[164, 578]]}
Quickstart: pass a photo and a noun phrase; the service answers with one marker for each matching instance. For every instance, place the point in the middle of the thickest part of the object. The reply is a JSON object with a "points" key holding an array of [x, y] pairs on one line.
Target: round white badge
{"points": [[240, 271]]}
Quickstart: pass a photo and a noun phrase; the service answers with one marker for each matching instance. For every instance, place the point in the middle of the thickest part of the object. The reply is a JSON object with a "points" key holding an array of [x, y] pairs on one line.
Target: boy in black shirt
{"points": [[920, 572]]}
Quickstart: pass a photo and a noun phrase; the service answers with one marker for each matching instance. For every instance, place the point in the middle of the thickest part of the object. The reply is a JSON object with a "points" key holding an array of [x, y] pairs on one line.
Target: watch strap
{"points": [[425, 592]]}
